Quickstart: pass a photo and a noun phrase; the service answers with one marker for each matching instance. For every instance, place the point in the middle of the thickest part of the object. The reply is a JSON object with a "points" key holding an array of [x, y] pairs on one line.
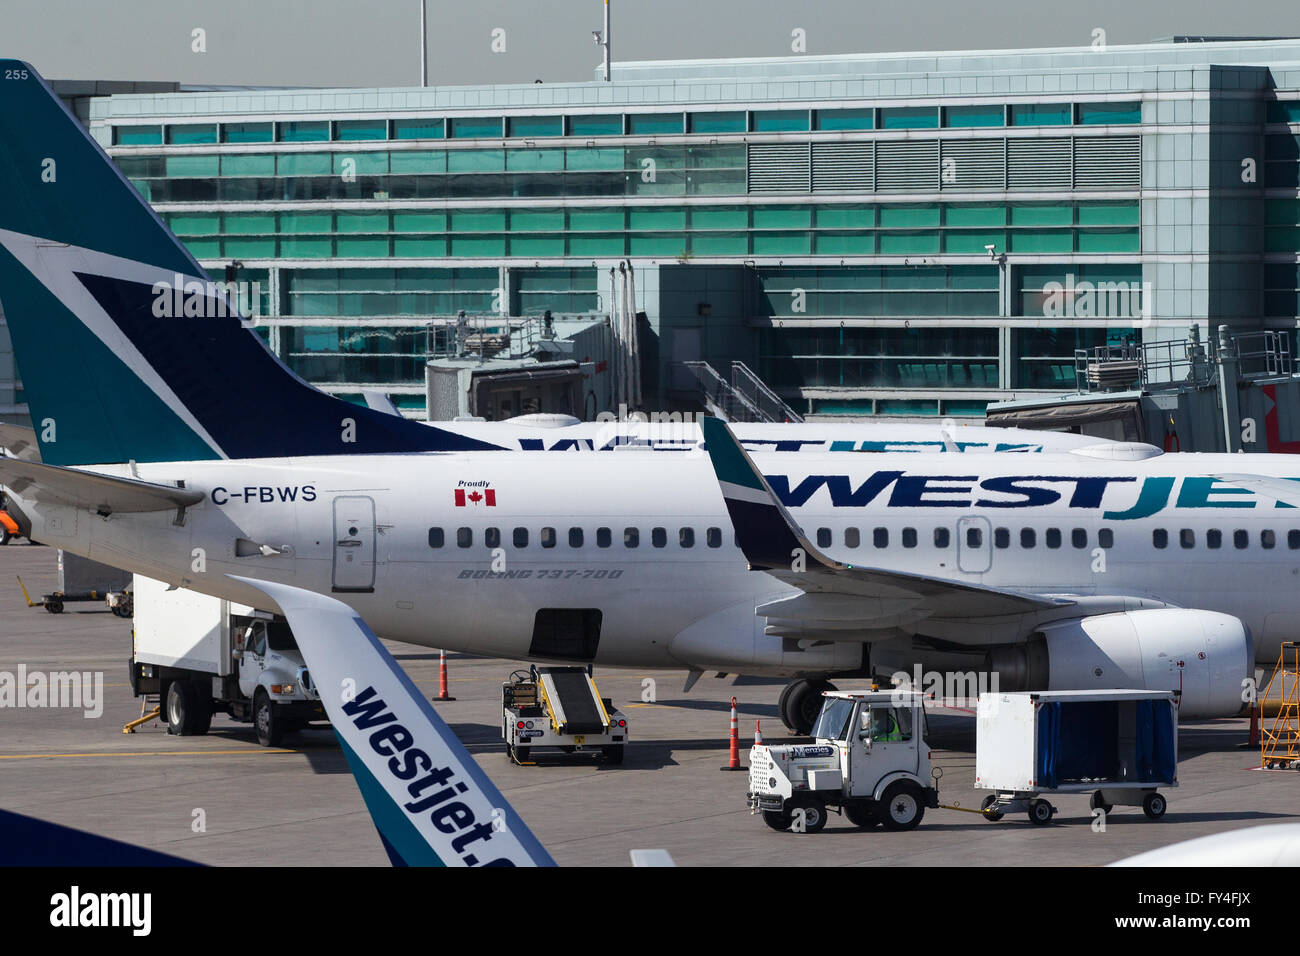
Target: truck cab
{"points": [[869, 760]]}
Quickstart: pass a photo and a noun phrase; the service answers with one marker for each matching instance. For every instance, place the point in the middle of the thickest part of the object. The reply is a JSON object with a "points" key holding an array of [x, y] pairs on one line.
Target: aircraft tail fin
{"points": [[127, 350]]}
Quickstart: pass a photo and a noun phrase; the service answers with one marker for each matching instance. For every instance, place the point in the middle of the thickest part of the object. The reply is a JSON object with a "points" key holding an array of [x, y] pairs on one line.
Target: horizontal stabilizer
{"points": [[104, 494], [19, 441]]}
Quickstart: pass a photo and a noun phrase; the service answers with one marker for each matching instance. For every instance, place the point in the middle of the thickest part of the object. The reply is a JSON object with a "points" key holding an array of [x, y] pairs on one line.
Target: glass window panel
{"points": [[247, 132], [248, 164], [606, 125], [204, 167], [475, 127], [191, 134], [137, 135], [982, 114], [303, 164], [360, 129], [845, 119], [651, 123], [909, 117], [728, 122], [1093, 114], [419, 128], [1040, 114], [779, 121], [528, 126], [304, 131]]}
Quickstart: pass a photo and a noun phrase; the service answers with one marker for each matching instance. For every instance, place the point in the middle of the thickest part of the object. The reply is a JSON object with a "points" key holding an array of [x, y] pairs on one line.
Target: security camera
{"points": [[989, 248], [595, 36]]}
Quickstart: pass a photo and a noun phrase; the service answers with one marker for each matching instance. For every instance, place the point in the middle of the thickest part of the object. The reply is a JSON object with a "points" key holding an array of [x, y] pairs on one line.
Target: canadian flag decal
{"points": [[486, 496]]}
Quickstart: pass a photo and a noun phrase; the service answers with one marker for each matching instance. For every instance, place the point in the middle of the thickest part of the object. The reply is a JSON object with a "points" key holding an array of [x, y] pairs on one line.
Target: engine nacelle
{"points": [[1204, 654]]}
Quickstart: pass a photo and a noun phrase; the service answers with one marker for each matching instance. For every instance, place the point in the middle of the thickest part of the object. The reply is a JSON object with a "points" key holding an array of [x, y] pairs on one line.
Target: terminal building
{"points": [[876, 234]]}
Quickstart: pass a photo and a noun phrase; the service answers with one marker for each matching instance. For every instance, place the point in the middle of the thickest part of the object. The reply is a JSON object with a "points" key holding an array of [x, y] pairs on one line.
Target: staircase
{"points": [[746, 398]]}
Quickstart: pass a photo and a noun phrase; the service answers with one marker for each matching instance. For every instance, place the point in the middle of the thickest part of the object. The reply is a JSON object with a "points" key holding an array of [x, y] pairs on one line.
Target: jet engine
{"points": [[1206, 655]]}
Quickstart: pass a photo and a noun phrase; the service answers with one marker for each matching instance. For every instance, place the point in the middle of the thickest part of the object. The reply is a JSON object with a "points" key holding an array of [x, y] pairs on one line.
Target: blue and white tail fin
{"points": [[432, 804], [126, 350]]}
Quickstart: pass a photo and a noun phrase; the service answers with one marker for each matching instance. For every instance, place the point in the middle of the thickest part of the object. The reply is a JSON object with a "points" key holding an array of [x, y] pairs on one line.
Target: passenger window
{"points": [[1052, 537], [548, 537], [659, 537], [1001, 538], [520, 537], [1240, 539], [852, 537], [492, 537], [1028, 538], [1079, 537], [575, 537], [823, 537], [631, 537], [1293, 540], [686, 537], [941, 537], [1187, 538], [713, 537], [437, 538], [1267, 538], [604, 538], [1106, 538], [909, 537], [1160, 538], [974, 538], [880, 537], [1214, 538], [464, 537]]}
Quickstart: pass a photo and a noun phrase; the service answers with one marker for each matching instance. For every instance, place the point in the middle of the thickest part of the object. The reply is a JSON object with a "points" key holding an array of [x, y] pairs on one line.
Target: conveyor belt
{"points": [[573, 700]]}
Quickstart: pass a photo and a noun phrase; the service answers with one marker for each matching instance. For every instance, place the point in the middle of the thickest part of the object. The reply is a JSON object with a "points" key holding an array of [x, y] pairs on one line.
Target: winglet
{"points": [[765, 530], [431, 803]]}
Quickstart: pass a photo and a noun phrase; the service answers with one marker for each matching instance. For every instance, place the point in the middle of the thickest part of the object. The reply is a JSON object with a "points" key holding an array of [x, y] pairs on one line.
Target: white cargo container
{"points": [[202, 655], [1119, 745]]}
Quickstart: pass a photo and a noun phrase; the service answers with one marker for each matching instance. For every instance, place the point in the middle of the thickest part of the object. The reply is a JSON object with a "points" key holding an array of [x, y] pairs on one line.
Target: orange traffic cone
{"points": [[442, 677], [734, 762]]}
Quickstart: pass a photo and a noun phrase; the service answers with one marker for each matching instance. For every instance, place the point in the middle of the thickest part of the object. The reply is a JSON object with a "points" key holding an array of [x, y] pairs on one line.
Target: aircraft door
{"points": [[354, 543], [974, 544]]}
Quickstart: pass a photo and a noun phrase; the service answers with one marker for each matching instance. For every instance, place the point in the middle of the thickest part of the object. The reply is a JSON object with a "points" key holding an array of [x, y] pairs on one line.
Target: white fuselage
{"points": [[676, 599]]}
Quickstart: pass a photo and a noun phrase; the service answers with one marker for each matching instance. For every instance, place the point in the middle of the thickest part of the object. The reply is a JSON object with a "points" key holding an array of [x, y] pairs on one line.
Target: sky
{"points": [[366, 43]]}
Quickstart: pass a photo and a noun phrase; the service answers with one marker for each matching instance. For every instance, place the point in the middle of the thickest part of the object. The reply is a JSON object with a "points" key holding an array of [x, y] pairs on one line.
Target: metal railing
{"points": [[1263, 354], [1170, 363], [770, 405], [719, 398]]}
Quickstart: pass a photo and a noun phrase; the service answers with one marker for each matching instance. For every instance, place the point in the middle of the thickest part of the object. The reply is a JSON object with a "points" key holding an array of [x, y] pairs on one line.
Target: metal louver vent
{"points": [[1039, 163], [972, 164], [910, 165], [779, 168], [843, 167], [1107, 161]]}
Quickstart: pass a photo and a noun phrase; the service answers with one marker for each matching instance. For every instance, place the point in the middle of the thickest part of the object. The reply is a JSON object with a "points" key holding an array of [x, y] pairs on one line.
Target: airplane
{"points": [[178, 447]]}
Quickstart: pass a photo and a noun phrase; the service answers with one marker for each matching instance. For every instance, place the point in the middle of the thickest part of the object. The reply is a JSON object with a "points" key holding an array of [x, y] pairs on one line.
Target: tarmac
{"points": [[221, 799]]}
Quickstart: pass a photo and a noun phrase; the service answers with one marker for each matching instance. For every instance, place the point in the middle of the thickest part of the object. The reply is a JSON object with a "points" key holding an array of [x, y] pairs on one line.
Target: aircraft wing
{"points": [[104, 494], [19, 441], [836, 593], [429, 800]]}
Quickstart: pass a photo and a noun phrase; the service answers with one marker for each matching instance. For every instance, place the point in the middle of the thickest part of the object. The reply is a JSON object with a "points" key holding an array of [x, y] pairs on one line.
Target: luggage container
{"points": [[1119, 745]]}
